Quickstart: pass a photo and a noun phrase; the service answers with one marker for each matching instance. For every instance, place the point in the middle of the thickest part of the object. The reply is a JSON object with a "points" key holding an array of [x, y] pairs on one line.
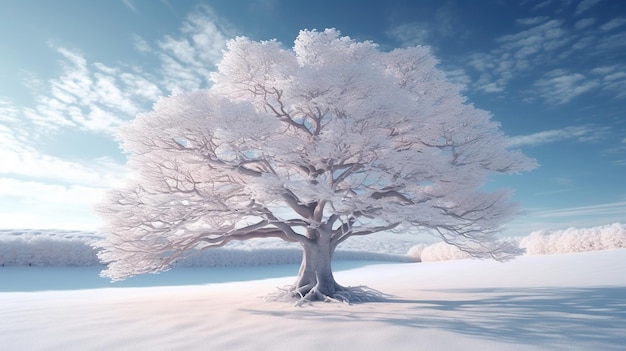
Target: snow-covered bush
{"points": [[73, 248], [542, 242], [415, 252], [41, 248], [442, 252], [545, 242]]}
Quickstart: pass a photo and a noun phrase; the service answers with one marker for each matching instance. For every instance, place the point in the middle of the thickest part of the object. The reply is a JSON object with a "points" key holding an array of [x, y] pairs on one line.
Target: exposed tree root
{"points": [[307, 295]]}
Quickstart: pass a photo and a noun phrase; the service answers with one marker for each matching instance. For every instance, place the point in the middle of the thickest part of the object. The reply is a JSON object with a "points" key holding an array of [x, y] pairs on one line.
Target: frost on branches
{"points": [[331, 139]]}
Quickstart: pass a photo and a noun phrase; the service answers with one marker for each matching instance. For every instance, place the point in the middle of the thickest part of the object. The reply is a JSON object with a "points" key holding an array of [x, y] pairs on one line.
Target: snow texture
{"points": [[551, 302]]}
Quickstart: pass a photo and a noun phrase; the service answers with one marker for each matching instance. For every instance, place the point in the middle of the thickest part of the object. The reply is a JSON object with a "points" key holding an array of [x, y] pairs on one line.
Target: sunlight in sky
{"points": [[553, 73]]}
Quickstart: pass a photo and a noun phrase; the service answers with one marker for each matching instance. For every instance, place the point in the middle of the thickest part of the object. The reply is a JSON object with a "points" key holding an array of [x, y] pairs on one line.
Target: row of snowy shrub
{"points": [[50, 248], [54, 248], [45, 249], [542, 242]]}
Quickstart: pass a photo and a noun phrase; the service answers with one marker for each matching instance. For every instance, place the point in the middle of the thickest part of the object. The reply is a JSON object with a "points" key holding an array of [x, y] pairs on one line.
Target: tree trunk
{"points": [[315, 277]]}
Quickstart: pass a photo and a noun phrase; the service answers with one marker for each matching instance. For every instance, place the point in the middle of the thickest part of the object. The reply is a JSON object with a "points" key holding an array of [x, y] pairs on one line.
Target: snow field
{"points": [[553, 302]]}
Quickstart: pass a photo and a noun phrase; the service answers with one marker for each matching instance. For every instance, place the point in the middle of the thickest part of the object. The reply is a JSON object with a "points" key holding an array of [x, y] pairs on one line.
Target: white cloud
{"points": [[410, 34], [42, 191], [130, 5], [614, 208], [89, 98], [188, 60], [35, 205], [613, 24], [559, 86], [458, 76], [8, 112], [442, 24], [545, 37], [612, 79], [544, 45], [532, 20], [98, 97], [581, 44], [141, 44], [604, 70], [30, 163], [584, 23], [542, 5], [518, 53], [619, 150], [36, 192], [581, 133], [612, 43], [94, 97], [585, 5]]}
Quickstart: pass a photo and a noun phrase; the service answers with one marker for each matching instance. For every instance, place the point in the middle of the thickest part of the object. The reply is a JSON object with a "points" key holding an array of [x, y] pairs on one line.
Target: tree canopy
{"points": [[330, 139]]}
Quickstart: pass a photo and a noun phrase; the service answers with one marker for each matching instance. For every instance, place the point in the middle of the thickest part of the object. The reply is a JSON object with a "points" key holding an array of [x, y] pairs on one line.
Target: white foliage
{"points": [[542, 242], [442, 252], [46, 248], [415, 252], [350, 139], [605, 237]]}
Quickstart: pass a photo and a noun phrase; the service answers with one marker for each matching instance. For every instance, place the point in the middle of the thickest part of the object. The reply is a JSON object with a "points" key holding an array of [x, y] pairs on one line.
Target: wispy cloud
{"points": [[428, 31], [560, 86], [8, 112], [457, 75], [187, 60], [613, 24], [518, 53], [532, 21], [411, 34], [36, 205], [537, 51], [88, 98], [585, 5], [542, 5], [130, 5], [614, 208], [141, 45], [581, 133], [99, 97], [584, 23], [612, 79], [618, 150]]}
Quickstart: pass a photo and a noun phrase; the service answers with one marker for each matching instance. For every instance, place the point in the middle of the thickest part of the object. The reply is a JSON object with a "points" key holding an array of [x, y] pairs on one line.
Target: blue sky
{"points": [[552, 72]]}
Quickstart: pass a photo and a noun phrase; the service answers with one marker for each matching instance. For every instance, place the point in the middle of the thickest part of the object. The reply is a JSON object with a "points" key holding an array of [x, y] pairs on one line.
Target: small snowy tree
{"points": [[313, 145]]}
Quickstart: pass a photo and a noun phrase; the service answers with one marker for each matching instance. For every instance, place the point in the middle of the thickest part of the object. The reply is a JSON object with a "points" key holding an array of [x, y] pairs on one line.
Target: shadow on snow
{"points": [[560, 317]]}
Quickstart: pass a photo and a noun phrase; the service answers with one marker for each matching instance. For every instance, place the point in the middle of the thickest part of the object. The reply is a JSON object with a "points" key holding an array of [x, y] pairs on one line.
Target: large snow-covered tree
{"points": [[331, 139]]}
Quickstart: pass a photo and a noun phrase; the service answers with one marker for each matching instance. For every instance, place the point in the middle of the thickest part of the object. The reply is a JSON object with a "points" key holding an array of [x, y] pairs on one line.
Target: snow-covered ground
{"points": [[567, 301], [573, 301]]}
